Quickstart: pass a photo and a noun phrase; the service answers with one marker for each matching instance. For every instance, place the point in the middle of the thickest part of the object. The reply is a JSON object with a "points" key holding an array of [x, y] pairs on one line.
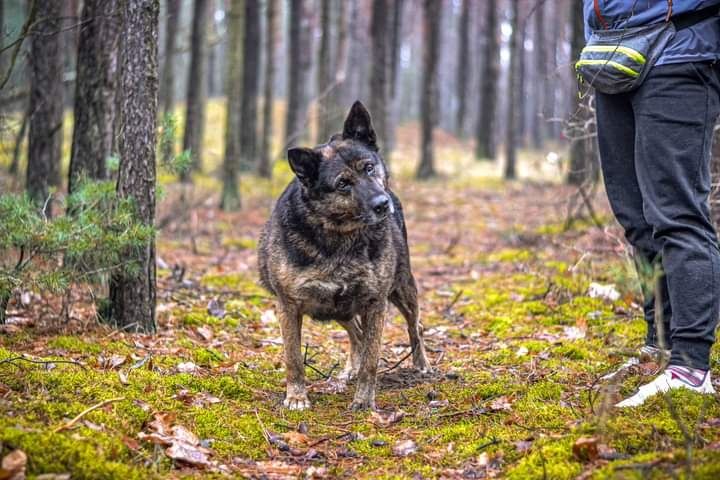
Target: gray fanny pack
{"points": [[617, 61]]}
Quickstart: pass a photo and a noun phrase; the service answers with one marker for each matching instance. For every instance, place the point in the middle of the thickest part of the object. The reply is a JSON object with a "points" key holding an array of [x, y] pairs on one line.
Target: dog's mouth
{"points": [[374, 218]]}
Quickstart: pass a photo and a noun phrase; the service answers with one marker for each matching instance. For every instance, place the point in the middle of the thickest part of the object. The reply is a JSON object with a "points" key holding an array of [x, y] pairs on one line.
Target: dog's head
{"points": [[345, 180]]}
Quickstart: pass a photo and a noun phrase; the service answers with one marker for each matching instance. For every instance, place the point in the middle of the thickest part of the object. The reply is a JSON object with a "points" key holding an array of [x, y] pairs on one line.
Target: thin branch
{"points": [[71, 423], [18, 43], [12, 361]]}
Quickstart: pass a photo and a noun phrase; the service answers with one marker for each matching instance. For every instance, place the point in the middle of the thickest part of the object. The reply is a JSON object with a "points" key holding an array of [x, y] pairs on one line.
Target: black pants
{"points": [[655, 152]]}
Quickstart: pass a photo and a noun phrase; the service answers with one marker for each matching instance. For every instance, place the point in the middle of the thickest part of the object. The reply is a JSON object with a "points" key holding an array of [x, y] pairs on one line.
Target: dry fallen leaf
{"points": [[205, 333], [13, 466], [403, 448], [296, 438], [111, 362], [182, 434], [187, 367], [187, 453], [586, 449], [385, 419], [123, 376], [501, 404]]}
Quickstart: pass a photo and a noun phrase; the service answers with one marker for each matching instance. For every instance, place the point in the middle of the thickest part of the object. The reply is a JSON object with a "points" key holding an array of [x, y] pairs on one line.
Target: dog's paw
{"points": [[347, 375], [421, 365], [297, 402], [360, 403]]}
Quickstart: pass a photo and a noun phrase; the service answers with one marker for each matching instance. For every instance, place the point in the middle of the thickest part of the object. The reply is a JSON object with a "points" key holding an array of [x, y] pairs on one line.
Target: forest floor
{"points": [[517, 341]]}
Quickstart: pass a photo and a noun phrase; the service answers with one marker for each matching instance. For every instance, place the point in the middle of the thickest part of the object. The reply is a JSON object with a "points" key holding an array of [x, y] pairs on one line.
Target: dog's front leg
{"points": [[373, 323], [291, 325]]}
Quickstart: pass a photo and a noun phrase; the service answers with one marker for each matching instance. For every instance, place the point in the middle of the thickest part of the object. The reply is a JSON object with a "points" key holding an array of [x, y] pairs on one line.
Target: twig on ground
{"points": [[71, 423], [397, 364], [266, 434], [12, 361]]}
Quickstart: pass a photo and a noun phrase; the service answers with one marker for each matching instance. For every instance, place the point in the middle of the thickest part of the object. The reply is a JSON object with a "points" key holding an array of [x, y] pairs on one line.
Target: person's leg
{"points": [[675, 111], [616, 140]]}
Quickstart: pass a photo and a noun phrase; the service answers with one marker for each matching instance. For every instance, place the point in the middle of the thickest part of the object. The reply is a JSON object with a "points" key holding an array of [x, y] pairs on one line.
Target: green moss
{"points": [[86, 454], [238, 282], [74, 344], [547, 459], [510, 255], [240, 243]]}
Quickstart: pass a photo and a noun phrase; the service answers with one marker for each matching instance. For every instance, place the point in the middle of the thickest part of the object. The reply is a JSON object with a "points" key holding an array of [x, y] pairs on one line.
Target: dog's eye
{"points": [[369, 168], [342, 185]]}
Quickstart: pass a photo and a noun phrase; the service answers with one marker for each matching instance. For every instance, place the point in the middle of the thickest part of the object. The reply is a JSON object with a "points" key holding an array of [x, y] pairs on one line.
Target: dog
{"points": [[335, 248]]}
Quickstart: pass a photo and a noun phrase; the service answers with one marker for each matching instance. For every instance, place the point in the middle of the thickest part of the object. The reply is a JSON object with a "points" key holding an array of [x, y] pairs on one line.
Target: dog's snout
{"points": [[381, 204]]}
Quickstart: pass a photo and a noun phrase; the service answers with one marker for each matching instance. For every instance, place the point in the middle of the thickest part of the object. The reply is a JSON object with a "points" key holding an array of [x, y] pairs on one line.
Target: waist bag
{"points": [[617, 61]]}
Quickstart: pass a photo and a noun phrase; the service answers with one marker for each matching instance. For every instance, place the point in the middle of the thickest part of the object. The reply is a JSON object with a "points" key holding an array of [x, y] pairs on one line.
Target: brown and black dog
{"points": [[335, 248]]}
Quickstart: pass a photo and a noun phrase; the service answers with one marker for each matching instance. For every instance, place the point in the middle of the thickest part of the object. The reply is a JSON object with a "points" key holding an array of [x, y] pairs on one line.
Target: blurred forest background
{"points": [[142, 146]]}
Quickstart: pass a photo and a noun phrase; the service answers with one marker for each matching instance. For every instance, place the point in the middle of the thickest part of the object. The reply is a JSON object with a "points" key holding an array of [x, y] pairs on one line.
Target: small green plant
{"points": [[49, 254], [176, 164]]}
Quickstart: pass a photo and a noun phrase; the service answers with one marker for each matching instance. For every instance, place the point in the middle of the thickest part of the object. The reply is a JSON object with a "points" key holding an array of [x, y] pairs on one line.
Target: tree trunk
{"points": [[379, 85], [167, 87], [541, 102], [295, 117], [582, 162], [395, 42], [46, 103], [429, 96], [196, 88], [265, 160], [132, 295], [340, 93], [95, 86], [463, 67], [490, 71], [511, 132], [250, 86], [230, 198], [324, 75]]}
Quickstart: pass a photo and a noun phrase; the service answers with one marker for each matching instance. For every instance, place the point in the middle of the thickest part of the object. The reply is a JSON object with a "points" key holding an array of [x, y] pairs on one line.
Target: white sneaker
{"points": [[647, 354], [668, 380]]}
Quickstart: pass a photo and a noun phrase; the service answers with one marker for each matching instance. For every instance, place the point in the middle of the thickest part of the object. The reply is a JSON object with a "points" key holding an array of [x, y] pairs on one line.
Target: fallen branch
{"points": [[11, 360], [397, 364], [71, 423]]}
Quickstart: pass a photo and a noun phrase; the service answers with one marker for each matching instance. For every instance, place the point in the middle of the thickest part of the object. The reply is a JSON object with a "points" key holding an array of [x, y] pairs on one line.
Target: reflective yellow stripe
{"points": [[627, 51], [616, 65]]}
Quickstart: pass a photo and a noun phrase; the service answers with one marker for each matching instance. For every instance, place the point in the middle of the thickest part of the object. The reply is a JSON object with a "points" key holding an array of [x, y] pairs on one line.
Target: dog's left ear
{"points": [[305, 163], [358, 126]]}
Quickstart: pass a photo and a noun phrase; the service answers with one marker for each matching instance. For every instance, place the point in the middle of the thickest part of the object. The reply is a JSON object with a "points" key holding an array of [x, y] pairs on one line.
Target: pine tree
{"points": [[132, 295], [96, 83], [196, 87], [485, 146], [432, 10], [230, 197], [46, 102]]}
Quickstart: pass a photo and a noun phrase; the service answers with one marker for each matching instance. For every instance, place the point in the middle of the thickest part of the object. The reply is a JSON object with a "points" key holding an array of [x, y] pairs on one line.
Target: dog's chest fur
{"points": [[343, 284]]}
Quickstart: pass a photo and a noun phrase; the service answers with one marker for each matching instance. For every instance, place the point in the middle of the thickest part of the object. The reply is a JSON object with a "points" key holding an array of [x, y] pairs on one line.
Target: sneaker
{"points": [[671, 378], [647, 354]]}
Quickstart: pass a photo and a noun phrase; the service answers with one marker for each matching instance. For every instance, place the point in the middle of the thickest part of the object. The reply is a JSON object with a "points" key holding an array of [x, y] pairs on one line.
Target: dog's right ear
{"points": [[305, 164]]}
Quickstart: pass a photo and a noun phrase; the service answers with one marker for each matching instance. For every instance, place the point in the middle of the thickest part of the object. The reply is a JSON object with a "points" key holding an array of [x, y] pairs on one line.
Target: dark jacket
{"points": [[698, 43]]}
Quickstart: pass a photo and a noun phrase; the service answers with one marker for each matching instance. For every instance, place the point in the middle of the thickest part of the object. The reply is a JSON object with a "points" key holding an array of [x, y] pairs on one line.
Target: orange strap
{"points": [[598, 13]]}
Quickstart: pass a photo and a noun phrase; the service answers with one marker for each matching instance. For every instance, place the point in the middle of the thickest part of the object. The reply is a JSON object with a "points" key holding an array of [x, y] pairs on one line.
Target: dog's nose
{"points": [[381, 204]]}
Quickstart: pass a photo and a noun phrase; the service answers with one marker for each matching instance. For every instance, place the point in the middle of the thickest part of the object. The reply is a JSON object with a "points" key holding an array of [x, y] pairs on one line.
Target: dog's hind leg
{"points": [[404, 297], [291, 325], [352, 365]]}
